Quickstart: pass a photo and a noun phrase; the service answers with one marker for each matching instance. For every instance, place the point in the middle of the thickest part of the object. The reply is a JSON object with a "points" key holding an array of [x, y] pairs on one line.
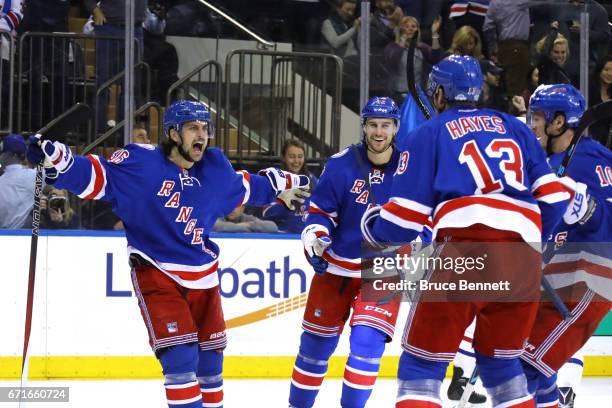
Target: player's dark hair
{"points": [[167, 144]]}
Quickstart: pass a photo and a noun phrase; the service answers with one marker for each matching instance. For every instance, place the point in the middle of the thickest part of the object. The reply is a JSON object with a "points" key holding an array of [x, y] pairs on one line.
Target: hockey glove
{"points": [[316, 240], [293, 199], [581, 206], [283, 180], [54, 155]]}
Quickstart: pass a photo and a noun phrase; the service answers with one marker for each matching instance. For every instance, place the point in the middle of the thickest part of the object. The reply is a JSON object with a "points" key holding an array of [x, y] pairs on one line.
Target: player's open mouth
{"points": [[198, 146]]}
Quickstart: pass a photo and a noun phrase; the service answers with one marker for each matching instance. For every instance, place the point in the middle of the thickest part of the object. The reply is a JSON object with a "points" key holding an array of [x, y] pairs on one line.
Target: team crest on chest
{"points": [[187, 180], [377, 176]]}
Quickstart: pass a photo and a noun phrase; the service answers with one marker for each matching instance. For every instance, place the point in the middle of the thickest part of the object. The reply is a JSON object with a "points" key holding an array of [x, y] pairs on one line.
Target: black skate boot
{"points": [[457, 385], [566, 397]]}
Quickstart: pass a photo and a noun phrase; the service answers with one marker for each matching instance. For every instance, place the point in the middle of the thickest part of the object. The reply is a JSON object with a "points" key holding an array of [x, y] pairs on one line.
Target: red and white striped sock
{"points": [[186, 395]]}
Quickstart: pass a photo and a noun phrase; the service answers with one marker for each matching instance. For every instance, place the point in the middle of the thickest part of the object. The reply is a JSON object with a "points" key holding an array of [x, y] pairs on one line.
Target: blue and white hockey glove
{"points": [[316, 240], [283, 180], [581, 206], [291, 189], [54, 155]]}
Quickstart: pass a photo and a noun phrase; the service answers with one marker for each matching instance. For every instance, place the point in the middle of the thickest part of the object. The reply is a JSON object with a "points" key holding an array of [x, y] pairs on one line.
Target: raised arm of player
{"points": [[84, 176]]}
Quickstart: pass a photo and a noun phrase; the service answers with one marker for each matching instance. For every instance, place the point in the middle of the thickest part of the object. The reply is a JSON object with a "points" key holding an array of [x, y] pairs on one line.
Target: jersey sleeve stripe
{"points": [[344, 263], [411, 204], [314, 209], [551, 192], [246, 182], [400, 221], [97, 184], [411, 214], [547, 178]]}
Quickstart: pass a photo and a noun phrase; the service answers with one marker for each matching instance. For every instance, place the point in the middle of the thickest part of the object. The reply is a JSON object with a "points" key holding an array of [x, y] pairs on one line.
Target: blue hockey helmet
{"points": [[558, 98], [380, 107], [186, 111], [460, 77]]}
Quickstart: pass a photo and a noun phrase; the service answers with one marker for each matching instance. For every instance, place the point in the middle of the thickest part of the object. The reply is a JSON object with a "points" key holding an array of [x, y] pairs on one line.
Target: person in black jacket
{"points": [[553, 52]]}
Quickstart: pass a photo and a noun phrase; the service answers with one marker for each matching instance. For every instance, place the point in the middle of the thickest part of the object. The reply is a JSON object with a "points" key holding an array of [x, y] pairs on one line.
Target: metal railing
{"points": [[142, 93], [7, 81], [102, 139], [203, 83], [263, 42], [57, 70], [272, 96]]}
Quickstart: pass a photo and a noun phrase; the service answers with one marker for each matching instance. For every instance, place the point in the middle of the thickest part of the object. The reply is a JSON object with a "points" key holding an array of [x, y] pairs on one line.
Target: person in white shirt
{"points": [[16, 184]]}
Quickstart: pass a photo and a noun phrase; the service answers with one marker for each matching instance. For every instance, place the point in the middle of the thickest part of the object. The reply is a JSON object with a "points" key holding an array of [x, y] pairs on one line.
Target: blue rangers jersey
{"points": [[168, 211], [472, 166], [582, 252], [339, 201]]}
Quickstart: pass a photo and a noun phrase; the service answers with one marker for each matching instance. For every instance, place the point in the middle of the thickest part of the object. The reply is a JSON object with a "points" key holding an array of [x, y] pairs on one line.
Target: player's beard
{"points": [[184, 154], [370, 143]]}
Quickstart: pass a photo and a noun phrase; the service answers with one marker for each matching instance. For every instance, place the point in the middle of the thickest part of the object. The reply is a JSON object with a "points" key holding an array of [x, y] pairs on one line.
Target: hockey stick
{"points": [[410, 76], [469, 389], [72, 117]]}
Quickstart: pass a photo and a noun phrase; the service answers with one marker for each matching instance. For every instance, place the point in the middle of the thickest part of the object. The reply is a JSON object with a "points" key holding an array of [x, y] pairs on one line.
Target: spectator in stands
{"points": [[493, 95], [396, 56], [339, 32], [388, 13], [55, 209], [302, 16], [10, 17], [384, 20], [158, 53], [601, 91], [532, 79], [188, 18], [140, 135], [425, 12], [567, 15], [16, 184], [293, 159], [553, 53], [340, 29], [109, 20], [506, 30], [469, 13], [238, 221], [466, 41], [49, 16]]}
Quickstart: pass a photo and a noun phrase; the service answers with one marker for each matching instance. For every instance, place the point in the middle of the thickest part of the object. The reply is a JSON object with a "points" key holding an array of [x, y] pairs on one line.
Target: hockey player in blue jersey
{"points": [[168, 199], [353, 179], [483, 178], [579, 257]]}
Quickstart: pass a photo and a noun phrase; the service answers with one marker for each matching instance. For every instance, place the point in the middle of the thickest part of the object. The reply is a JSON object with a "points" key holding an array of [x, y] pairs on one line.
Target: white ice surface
{"points": [[595, 392]]}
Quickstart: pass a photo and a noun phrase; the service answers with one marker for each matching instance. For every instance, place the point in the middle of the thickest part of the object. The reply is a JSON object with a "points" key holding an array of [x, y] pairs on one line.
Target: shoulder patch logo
{"points": [[119, 156]]}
